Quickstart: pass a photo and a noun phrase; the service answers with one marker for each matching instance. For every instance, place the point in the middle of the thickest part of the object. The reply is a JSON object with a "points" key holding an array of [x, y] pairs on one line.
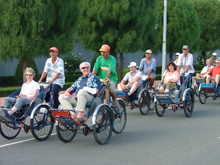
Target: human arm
{"points": [[54, 78], [68, 92], [44, 74]]}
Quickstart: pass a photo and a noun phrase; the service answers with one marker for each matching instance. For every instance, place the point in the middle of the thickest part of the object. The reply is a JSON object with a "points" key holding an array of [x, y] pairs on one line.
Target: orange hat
{"points": [[53, 49], [105, 48]]}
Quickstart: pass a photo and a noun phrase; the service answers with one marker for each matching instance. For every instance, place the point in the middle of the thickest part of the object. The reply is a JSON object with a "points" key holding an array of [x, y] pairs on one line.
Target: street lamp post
{"points": [[164, 37]]}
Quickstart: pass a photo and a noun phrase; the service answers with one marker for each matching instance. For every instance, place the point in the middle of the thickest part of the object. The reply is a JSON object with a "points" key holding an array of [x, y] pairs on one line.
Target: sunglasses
{"points": [[217, 62], [85, 67], [29, 75]]}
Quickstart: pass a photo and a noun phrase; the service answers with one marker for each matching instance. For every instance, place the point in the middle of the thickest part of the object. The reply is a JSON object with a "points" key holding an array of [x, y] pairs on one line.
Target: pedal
{"points": [[26, 128]]}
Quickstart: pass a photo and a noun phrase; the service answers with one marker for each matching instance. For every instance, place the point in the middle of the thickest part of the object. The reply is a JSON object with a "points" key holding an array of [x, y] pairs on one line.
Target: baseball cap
{"points": [[53, 49], [214, 54], [177, 54], [105, 48], [148, 51], [132, 64], [185, 47], [217, 60]]}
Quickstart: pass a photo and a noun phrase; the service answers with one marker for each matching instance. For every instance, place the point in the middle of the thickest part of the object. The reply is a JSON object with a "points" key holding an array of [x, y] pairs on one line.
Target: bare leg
{"points": [[151, 82], [133, 88], [208, 79], [113, 98], [217, 80]]}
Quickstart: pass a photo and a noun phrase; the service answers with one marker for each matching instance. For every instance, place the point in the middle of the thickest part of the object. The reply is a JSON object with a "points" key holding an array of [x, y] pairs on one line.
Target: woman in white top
{"points": [[171, 78], [29, 91], [133, 79]]}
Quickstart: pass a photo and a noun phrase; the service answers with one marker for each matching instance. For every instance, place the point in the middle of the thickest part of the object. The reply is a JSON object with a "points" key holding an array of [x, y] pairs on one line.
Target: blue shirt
{"points": [[146, 67], [91, 81]]}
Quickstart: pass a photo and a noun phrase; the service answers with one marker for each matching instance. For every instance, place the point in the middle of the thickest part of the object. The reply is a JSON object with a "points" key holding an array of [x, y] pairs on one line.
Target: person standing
{"points": [[185, 64], [213, 58], [148, 67], [54, 73], [105, 68], [177, 56]]}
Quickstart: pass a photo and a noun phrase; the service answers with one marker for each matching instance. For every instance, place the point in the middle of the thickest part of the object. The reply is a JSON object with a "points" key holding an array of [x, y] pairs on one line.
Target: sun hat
{"points": [[148, 51], [53, 49], [185, 47], [132, 64], [105, 48], [177, 54], [214, 54]]}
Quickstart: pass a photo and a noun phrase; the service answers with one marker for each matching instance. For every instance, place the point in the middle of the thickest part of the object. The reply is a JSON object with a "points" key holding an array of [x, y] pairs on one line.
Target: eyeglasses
{"points": [[28, 74], [217, 62], [85, 67]]}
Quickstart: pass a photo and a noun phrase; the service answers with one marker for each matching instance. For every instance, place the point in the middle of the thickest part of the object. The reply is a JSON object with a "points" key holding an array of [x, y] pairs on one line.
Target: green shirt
{"points": [[108, 64]]}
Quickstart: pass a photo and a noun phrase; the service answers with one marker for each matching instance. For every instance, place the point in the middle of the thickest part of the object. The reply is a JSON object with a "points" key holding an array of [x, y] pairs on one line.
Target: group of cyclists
{"points": [[86, 87]]}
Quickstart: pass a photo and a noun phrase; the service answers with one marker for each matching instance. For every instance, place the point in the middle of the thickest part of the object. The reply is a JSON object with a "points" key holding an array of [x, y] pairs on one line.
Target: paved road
{"points": [[169, 140]]}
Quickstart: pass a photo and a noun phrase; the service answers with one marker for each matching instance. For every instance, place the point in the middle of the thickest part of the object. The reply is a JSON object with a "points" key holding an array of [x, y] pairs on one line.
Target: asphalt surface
{"points": [[172, 139]]}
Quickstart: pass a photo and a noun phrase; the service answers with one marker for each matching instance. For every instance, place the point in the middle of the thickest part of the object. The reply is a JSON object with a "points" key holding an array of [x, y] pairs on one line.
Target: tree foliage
{"points": [[182, 25], [125, 25], [209, 17], [29, 27]]}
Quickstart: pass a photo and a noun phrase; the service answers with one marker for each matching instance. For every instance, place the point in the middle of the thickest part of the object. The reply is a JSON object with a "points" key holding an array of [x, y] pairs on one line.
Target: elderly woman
{"points": [[29, 91], [171, 78]]}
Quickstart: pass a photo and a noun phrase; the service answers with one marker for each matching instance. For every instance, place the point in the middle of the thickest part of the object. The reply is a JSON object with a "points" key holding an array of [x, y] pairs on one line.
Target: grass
{"points": [[5, 91]]}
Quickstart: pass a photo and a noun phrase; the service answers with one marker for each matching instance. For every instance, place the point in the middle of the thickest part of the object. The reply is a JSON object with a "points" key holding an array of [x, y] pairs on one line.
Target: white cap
{"points": [[214, 54], [177, 54], [149, 51], [132, 64]]}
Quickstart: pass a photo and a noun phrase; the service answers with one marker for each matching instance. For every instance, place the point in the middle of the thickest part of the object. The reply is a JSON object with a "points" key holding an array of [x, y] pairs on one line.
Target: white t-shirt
{"points": [[28, 89], [184, 61], [206, 69], [129, 78]]}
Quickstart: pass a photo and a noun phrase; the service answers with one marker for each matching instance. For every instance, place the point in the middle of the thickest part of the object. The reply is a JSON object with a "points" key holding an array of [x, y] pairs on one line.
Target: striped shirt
{"points": [[53, 69]]}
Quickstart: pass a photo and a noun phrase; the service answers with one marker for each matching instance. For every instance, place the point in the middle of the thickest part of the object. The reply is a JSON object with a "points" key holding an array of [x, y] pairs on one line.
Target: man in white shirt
{"points": [[185, 63], [205, 69]]}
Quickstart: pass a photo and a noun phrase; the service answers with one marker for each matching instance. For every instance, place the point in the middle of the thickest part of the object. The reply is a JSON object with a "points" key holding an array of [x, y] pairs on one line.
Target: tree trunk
{"points": [[121, 65], [24, 62], [171, 56], [204, 55]]}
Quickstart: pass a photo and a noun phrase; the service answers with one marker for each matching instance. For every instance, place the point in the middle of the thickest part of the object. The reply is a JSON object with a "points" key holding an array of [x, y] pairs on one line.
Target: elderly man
{"points": [[54, 70], [105, 68], [132, 78], [185, 63], [205, 69], [177, 56], [81, 92], [148, 67], [213, 58], [214, 73]]}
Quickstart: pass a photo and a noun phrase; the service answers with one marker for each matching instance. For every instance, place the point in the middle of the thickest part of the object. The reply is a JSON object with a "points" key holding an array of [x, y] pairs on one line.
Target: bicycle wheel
{"points": [[196, 90], [9, 130], [202, 96], [102, 129], [42, 123], [152, 105], [144, 102], [160, 108], [188, 104], [120, 117], [66, 133]]}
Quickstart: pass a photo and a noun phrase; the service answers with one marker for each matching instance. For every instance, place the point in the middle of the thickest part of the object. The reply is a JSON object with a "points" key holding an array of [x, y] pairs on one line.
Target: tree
{"points": [[182, 26], [209, 17], [125, 25], [29, 27]]}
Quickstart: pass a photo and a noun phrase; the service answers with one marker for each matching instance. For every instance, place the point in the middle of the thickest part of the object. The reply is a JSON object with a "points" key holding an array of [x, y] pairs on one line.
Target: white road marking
{"points": [[22, 141]]}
